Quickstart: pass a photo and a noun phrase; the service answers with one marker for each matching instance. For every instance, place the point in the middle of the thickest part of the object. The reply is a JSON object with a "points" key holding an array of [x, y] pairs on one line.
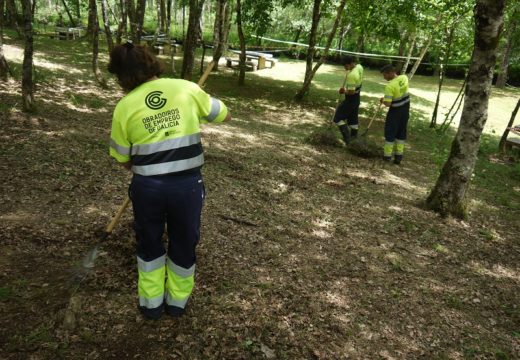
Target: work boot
{"points": [[175, 311], [353, 133], [151, 314], [397, 159], [345, 133]]}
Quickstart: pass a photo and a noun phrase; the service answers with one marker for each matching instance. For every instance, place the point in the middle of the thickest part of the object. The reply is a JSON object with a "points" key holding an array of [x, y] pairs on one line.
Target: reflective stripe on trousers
{"points": [[150, 283], [179, 284]]}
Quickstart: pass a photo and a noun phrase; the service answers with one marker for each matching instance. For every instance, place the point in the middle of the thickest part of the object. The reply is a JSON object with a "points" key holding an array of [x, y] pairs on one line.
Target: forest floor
{"points": [[306, 253]]}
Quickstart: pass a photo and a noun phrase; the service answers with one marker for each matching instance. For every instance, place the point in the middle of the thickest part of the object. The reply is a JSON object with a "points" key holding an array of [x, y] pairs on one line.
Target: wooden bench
{"points": [[512, 142], [66, 33], [234, 63]]}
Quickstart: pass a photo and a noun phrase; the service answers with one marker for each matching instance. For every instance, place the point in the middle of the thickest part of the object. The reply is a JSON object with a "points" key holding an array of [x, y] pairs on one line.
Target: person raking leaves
{"points": [[346, 115], [397, 99], [156, 134]]}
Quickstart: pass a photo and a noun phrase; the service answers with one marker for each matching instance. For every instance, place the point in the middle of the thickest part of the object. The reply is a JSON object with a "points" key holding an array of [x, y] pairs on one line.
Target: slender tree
{"points": [[95, 44], [121, 27], [192, 37], [4, 66], [421, 56], [220, 30], [503, 139], [106, 24], [13, 16], [242, 57], [311, 71], [449, 194], [27, 67], [510, 38], [71, 18]]}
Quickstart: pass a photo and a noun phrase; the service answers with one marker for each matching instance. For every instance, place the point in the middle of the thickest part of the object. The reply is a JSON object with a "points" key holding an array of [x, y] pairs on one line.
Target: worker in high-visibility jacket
{"points": [[346, 115], [397, 99], [156, 134]]}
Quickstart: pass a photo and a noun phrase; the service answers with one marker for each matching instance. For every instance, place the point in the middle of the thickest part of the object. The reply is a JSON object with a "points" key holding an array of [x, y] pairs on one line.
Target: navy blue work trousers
{"points": [[348, 110], [396, 123], [172, 200]]}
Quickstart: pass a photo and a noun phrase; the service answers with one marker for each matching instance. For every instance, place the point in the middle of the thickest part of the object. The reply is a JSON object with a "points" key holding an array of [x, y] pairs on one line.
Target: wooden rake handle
{"points": [[375, 115], [115, 220]]}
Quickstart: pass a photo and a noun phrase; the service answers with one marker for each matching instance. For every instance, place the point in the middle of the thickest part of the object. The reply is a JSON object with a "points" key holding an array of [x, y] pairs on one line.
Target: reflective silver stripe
{"points": [[169, 167], [179, 270], [147, 266], [151, 303], [176, 302], [400, 103], [122, 150], [400, 141], [388, 143], [354, 126], [147, 149], [215, 110]]}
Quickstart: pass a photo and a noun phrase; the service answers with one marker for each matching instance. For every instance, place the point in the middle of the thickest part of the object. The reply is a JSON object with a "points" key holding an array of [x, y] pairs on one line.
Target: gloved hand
{"points": [[342, 90]]}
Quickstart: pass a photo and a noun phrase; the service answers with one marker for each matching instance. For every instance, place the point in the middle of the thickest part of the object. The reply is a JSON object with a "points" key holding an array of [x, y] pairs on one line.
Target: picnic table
{"points": [[513, 142], [160, 41], [67, 33], [255, 59]]}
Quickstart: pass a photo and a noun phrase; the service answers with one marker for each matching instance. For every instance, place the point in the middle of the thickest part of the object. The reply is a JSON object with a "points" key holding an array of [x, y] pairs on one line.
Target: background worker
{"points": [[156, 134], [397, 99], [346, 115]]}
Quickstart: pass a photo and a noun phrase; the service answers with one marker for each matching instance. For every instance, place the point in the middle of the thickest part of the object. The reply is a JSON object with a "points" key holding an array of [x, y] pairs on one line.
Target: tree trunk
{"points": [[162, 10], [409, 55], [71, 19], [13, 16], [448, 195], [323, 58], [400, 51], [192, 36], [4, 66], [344, 31], [130, 11], [95, 45], [421, 57], [242, 57], [443, 59], [502, 144], [220, 30], [316, 15], [106, 24], [139, 19], [27, 67], [121, 27], [504, 64], [360, 45]]}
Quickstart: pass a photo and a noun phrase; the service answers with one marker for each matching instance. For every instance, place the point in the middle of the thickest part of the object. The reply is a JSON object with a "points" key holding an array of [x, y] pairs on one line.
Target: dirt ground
{"points": [[306, 253]]}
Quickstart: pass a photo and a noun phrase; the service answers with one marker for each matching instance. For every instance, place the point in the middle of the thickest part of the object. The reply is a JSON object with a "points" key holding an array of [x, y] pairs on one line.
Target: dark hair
{"points": [[349, 60], [133, 65], [388, 68]]}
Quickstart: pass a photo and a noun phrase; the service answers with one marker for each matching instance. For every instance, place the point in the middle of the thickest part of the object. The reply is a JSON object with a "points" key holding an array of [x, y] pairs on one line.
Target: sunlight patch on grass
{"points": [[496, 270]]}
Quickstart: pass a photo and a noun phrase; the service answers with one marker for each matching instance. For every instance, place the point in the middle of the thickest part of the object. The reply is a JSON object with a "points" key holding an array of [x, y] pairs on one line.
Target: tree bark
{"points": [[409, 55], [162, 10], [504, 64], [192, 36], [316, 15], [71, 19], [139, 19], [502, 143], [13, 16], [130, 11], [121, 27], [220, 30], [106, 24], [4, 66], [95, 45], [27, 67], [449, 194], [421, 57], [308, 79], [242, 57], [444, 58]]}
